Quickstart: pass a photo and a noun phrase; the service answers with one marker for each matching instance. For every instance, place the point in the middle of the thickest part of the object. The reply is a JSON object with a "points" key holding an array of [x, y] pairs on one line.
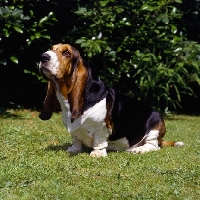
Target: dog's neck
{"points": [[61, 90]]}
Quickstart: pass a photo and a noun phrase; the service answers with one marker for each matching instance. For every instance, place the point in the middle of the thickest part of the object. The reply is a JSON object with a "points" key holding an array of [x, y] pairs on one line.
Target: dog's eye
{"points": [[66, 53]]}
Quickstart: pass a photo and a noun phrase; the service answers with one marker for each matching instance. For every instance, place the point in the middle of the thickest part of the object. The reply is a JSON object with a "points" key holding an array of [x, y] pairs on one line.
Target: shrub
{"points": [[143, 49], [145, 52]]}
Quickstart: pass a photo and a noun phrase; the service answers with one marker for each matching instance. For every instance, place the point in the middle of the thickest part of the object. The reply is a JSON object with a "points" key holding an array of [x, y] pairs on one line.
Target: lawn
{"points": [[35, 165]]}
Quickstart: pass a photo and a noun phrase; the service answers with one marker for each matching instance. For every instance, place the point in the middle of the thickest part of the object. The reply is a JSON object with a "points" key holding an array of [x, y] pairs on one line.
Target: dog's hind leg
{"points": [[149, 143]]}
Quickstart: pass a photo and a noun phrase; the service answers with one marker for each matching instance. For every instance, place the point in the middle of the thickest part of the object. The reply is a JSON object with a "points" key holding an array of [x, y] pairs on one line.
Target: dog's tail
{"points": [[171, 144]]}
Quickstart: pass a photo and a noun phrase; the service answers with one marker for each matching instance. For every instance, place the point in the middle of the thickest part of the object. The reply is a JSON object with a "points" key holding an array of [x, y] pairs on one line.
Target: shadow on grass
{"points": [[53, 147], [6, 114], [64, 147]]}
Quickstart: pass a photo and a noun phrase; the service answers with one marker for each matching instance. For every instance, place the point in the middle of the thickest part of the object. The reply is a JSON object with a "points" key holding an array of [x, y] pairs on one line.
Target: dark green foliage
{"points": [[27, 28], [145, 52], [143, 49]]}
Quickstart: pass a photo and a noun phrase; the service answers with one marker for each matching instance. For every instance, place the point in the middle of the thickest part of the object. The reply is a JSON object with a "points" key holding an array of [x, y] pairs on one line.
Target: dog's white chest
{"points": [[87, 124]]}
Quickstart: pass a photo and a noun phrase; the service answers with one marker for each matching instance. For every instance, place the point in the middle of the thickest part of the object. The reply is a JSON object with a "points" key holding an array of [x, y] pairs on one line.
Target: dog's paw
{"points": [[98, 153], [72, 149], [143, 149], [137, 150]]}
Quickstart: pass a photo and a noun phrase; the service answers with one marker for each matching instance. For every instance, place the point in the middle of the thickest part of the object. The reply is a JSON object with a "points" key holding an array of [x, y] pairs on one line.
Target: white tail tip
{"points": [[178, 144]]}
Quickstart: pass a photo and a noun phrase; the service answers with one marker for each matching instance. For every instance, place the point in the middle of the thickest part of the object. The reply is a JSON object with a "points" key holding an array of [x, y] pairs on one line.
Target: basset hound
{"points": [[95, 115]]}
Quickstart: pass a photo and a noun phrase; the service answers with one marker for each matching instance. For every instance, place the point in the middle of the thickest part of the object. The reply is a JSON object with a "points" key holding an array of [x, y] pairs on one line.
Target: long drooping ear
{"points": [[50, 104], [76, 58], [76, 93]]}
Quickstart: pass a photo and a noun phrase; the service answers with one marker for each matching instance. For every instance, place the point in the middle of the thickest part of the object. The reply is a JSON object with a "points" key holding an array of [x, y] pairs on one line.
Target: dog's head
{"points": [[67, 74], [59, 62]]}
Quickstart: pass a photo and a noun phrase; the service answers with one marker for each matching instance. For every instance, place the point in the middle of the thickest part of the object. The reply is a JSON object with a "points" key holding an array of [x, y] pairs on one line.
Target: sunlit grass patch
{"points": [[35, 165]]}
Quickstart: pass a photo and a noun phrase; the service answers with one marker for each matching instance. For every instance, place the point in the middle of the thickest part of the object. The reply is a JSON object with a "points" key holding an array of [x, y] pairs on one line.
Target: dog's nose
{"points": [[45, 57]]}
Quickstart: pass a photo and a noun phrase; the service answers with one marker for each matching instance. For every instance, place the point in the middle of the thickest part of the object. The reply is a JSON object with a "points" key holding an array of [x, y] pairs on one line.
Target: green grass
{"points": [[35, 165]]}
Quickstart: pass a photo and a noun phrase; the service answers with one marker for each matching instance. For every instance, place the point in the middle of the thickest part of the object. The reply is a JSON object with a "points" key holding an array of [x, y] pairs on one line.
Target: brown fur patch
{"points": [[167, 144], [76, 94], [162, 130], [109, 106]]}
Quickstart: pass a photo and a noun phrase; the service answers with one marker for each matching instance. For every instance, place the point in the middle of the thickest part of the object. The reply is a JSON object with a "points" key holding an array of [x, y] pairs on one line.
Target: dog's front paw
{"points": [[98, 153], [72, 149]]}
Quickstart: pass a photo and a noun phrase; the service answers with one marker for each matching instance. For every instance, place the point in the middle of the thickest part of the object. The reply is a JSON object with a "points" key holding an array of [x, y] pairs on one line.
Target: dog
{"points": [[97, 116]]}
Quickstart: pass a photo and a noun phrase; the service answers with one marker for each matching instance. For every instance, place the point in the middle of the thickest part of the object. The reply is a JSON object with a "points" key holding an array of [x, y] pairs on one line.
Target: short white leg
{"points": [[100, 143], [76, 146], [150, 143]]}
